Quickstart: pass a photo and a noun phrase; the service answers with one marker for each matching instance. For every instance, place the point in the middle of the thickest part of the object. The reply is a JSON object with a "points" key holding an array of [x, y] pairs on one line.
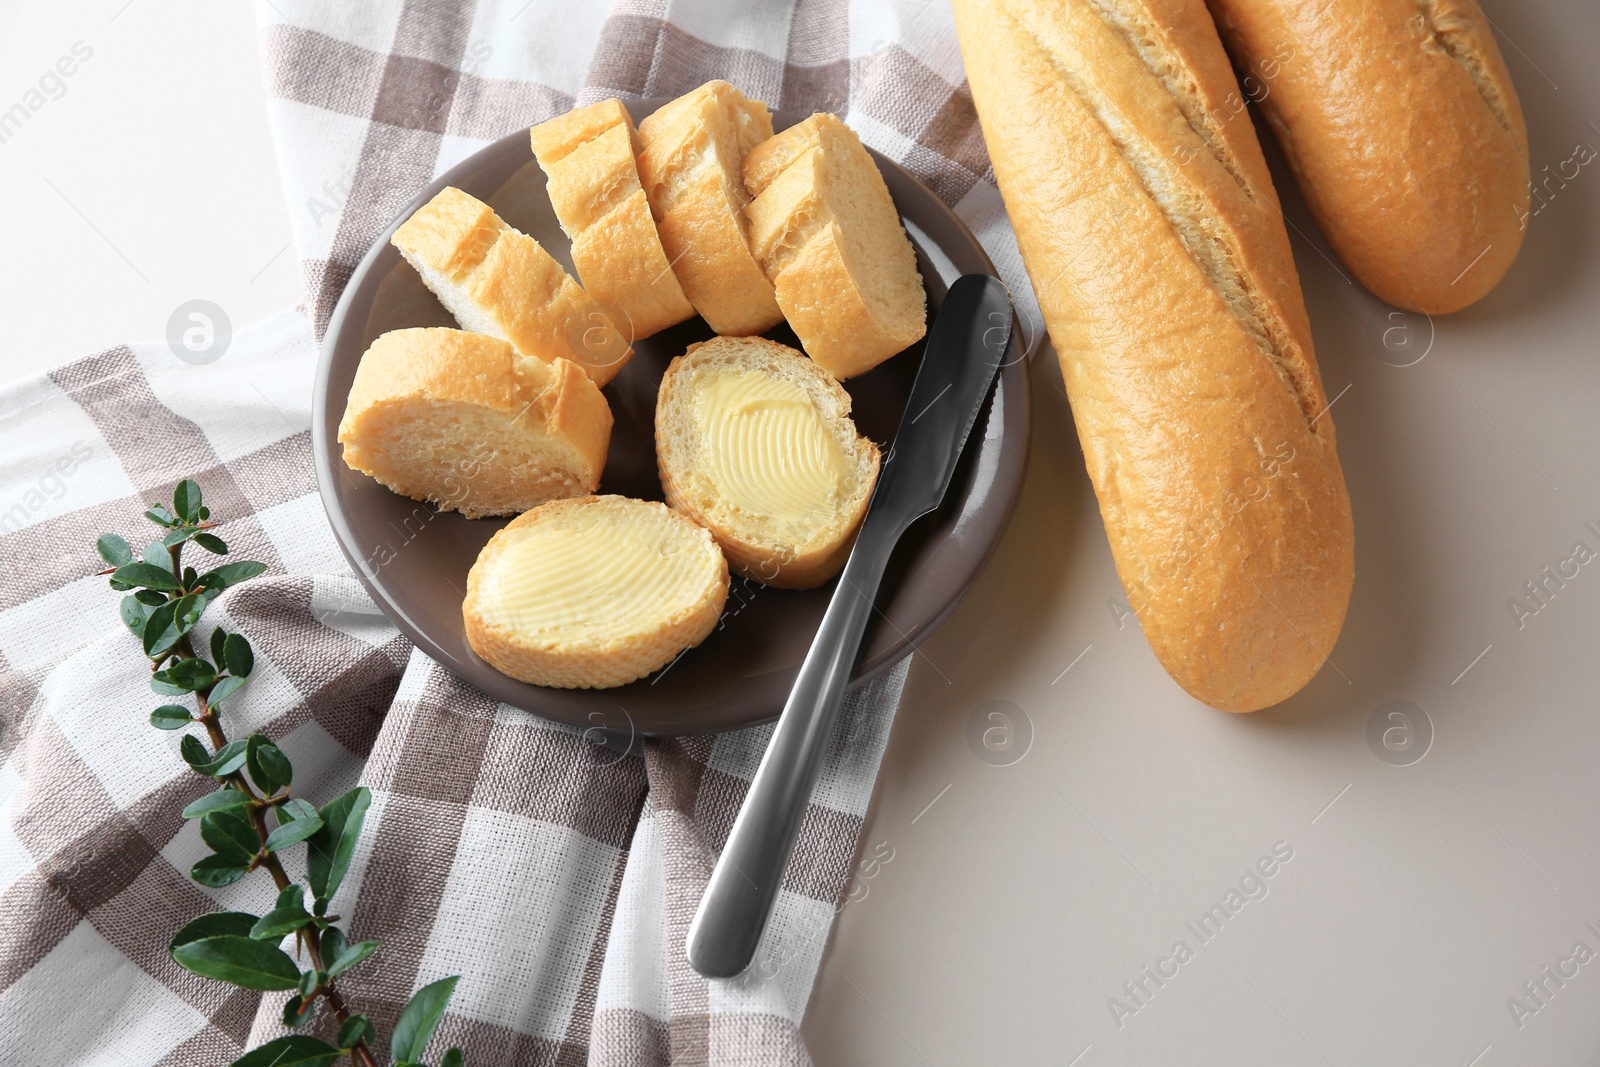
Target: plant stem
{"points": [[361, 1054]]}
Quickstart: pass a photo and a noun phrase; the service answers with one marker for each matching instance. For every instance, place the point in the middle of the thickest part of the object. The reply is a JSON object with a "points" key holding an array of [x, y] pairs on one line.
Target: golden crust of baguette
{"points": [[825, 229], [1400, 122], [755, 548], [693, 148], [570, 660], [498, 281], [588, 156], [464, 422], [1153, 237]]}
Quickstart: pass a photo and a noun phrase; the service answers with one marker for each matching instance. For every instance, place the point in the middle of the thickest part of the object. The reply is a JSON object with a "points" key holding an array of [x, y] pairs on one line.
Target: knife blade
{"points": [[964, 349]]}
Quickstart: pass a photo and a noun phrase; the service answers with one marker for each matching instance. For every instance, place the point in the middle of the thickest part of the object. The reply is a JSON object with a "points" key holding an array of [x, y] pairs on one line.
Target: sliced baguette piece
{"points": [[692, 151], [589, 160], [754, 441], [463, 421], [824, 228], [498, 281], [593, 593]]}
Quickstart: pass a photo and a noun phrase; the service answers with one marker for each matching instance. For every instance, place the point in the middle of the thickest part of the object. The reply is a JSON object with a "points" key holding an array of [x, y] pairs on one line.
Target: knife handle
{"points": [[738, 900]]}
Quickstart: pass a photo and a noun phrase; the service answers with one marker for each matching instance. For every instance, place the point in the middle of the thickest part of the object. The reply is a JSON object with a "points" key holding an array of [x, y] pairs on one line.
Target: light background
{"points": [[1007, 904]]}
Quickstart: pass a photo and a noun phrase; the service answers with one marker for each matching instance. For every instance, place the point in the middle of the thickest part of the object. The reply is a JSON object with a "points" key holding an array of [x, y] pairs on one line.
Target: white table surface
{"points": [[1010, 902]]}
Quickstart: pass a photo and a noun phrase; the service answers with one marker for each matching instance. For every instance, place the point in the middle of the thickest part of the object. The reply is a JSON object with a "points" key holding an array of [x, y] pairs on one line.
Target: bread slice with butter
{"points": [[498, 281], [823, 226], [693, 149], [754, 441], [593, 593], [465, 422], [589, 160]]}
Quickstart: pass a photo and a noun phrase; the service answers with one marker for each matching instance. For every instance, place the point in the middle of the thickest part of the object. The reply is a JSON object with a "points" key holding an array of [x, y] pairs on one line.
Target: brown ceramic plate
{"points": [[414, 561]]}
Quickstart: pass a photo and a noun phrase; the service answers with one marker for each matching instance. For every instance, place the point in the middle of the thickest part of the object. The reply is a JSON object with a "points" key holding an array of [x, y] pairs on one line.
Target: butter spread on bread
{"points": [[1150, 229], [593, 593], [755, 442]]}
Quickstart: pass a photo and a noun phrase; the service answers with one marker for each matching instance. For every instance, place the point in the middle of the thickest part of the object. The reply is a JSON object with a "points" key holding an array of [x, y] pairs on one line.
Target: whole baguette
{"points": [[1154, 240], [1401, 125]]}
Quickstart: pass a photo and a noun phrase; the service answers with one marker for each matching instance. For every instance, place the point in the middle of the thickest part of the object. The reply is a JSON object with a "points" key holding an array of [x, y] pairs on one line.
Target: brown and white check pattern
{"points": [[556, 875]]}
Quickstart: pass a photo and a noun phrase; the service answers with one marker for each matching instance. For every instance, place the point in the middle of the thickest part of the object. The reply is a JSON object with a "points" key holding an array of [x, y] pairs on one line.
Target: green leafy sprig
{"points": [[254, 815]]}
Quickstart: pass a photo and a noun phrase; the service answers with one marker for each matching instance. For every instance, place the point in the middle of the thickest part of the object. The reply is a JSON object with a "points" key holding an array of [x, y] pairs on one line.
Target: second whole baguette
{"points": [[1155, 242], [1401, 125]]}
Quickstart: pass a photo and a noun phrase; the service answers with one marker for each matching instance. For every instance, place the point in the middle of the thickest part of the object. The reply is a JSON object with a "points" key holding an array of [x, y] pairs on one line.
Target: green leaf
{"points": [[170, 622], [211, 543], [349, 956], [217, 924], [189, 576], [292, 833], [225, 799], [177, 537], [332, 943], [159, 684], [295, 1050], [205, 513], [224, 689], [240, 960], [218, 637], [269, 767], [135, 612], [156, 554], [231, 574], [214, 872], [140, 573], [231, 835], [196, 671], [452, 1058], [276, 925], [237, 654], [420, 1019], [260, 775], [328, 855], [297, 808], [194, 751], [186, 500], [185, 676], [159, 514], [161, 629], [229, 758], [287, 916], [309, 981], [297, 1009], [190, 609], [114, 550], [170, 717], [151, 597], [353, 1030]]}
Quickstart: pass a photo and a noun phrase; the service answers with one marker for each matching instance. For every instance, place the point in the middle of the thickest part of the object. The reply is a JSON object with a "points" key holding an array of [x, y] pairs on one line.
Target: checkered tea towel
{"points": [[555, 875]]}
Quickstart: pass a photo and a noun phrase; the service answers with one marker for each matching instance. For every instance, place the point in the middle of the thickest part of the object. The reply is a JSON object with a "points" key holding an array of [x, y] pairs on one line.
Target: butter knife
{"points": [[964, 348]]}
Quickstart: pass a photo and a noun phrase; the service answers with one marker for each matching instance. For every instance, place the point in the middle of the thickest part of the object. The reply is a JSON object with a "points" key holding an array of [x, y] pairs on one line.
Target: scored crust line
{"points": [[1212, 253]]}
